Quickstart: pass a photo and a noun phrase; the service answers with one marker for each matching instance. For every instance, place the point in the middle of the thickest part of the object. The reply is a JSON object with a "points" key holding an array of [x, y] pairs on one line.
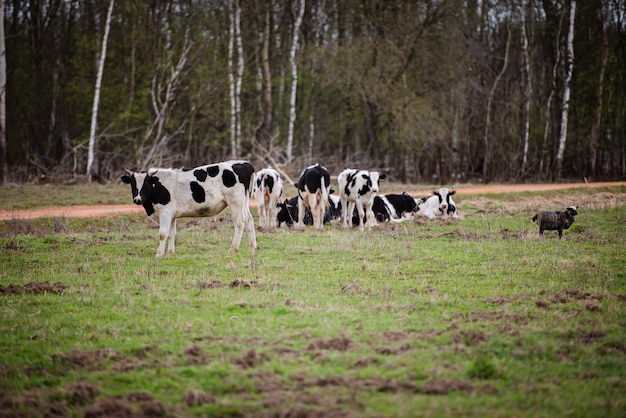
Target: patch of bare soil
{"points": [[33, 288], [518, 203]]}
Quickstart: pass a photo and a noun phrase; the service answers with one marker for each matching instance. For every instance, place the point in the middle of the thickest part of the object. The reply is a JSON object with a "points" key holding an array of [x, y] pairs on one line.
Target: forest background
{"points": [[436, 91]]}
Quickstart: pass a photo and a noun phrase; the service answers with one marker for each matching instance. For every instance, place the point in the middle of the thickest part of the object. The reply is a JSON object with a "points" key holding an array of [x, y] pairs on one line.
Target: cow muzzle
{"points": [[137, 200]]}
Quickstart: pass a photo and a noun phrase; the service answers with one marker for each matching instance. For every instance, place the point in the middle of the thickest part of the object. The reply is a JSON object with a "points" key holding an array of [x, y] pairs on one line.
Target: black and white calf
{"points": [[169, 194], [313, 192], [357, 188], [288, 211], [268, 189], [394, 207], [440, 204]]}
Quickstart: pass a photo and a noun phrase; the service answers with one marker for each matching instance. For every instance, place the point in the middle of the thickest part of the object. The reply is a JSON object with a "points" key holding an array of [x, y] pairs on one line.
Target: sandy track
{"points": [[112, 210]]}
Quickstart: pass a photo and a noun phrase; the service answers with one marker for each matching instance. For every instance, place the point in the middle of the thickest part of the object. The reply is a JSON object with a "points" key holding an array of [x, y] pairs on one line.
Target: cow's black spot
{"points": [[200, 174], [228, 178], [197, 192], [244, 171], [159, 195], [269, 183], [213, 170]]}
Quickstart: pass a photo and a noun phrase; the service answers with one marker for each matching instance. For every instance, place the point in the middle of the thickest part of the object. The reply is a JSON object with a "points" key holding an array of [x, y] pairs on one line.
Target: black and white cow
{"points": [[268, 189], [313, 192], [394, 207], [169, 194], [440, 204], [357, 188], [288, 211]]}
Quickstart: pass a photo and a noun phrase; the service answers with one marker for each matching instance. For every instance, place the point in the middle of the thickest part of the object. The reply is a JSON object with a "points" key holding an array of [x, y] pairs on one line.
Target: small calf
{"points": [[555, 221]]}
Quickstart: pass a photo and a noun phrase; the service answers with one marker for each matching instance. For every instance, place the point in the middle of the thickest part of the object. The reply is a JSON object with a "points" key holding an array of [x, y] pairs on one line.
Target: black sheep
{"points": [[555, 221]]}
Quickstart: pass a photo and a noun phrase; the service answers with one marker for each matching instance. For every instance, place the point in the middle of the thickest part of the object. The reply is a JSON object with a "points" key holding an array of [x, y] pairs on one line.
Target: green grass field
{"points": [[474, 317]]}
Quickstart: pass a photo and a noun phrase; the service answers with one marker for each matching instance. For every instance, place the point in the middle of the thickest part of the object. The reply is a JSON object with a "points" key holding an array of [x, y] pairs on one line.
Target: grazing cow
{"points": [[313, 192], [394, 207], [357, 188], [169, 194], [440, 204], [268, 188]]}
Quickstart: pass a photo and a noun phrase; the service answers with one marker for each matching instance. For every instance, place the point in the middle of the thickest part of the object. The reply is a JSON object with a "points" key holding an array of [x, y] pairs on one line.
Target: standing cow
{"points": [[313, 191], [268, 189], [440, 204], [357, 188], [169, 194]]}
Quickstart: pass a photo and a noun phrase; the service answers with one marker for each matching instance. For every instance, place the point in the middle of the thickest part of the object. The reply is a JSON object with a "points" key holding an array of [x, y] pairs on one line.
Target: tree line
{"points": [[437, 91]]}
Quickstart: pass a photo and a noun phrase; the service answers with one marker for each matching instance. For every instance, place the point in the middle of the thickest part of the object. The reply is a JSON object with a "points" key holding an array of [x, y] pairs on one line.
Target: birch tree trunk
{"points": [[566, 91], [96, 97], [4, 167], [240, 66], [546, 129], [595, 128], [231, 80], [263, 133], [527, 90], [487, 134], [294, 79]]}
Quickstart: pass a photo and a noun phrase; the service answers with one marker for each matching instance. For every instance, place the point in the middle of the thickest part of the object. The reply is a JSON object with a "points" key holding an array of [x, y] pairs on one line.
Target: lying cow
{"points": [[394, 207], [357, 189], [169, 194], [440, 204], [313, 192], [268, 188], [288, 211]]}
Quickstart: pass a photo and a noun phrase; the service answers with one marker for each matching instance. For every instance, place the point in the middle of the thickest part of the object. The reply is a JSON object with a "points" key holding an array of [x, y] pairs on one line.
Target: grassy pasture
{"points": [[474, 317]]}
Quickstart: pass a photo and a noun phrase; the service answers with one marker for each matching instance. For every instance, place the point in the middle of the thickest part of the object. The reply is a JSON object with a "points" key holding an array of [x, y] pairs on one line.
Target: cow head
{"points": [[288, 211], [136, 181], [444, 199]]}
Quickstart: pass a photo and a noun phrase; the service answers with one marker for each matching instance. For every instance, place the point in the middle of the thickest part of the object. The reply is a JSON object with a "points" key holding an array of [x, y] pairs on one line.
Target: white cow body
{"points": [[357, 188], [439, 205], [205, 191], [268, 189]]}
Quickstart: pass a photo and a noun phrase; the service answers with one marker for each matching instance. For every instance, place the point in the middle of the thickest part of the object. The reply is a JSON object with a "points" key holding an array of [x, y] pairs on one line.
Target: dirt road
{"points": [[112, 210]]}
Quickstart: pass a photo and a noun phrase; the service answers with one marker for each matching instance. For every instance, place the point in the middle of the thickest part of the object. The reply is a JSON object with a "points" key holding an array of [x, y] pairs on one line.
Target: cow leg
{"points": [[272, 214], [250, 229], [350, 210], [165, 224], [262, 215], [239, 220], [345, 212], [301, 210], [560, 232], [361, 212], [171, 246]]}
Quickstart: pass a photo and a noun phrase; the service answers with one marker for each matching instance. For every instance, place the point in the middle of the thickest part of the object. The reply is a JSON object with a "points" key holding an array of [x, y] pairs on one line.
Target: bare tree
{"points": [[4, 167], [546, 128], [294, 78], [163, 98], [96, 97], [566, 90], [235, 82], [487, 134], [526, 89], [595, 128]]}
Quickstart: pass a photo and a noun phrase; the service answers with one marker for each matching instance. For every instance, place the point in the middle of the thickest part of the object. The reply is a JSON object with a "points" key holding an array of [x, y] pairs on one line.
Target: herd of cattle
{"points": [[205, 191]]}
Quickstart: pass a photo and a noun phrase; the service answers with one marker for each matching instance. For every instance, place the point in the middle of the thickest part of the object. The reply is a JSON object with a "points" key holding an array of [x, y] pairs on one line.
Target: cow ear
{"points": [[125, 179], [435, 192], [382, 176], [365, 176], [452, 192]]}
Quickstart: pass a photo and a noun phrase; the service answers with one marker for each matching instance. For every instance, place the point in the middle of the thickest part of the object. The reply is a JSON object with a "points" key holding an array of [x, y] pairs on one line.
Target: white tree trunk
{"points": [[96, 97], [527, 89], [3, 100], [546, 128], [566, 91], [294, 79], [240, 65], [231, 81]]}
